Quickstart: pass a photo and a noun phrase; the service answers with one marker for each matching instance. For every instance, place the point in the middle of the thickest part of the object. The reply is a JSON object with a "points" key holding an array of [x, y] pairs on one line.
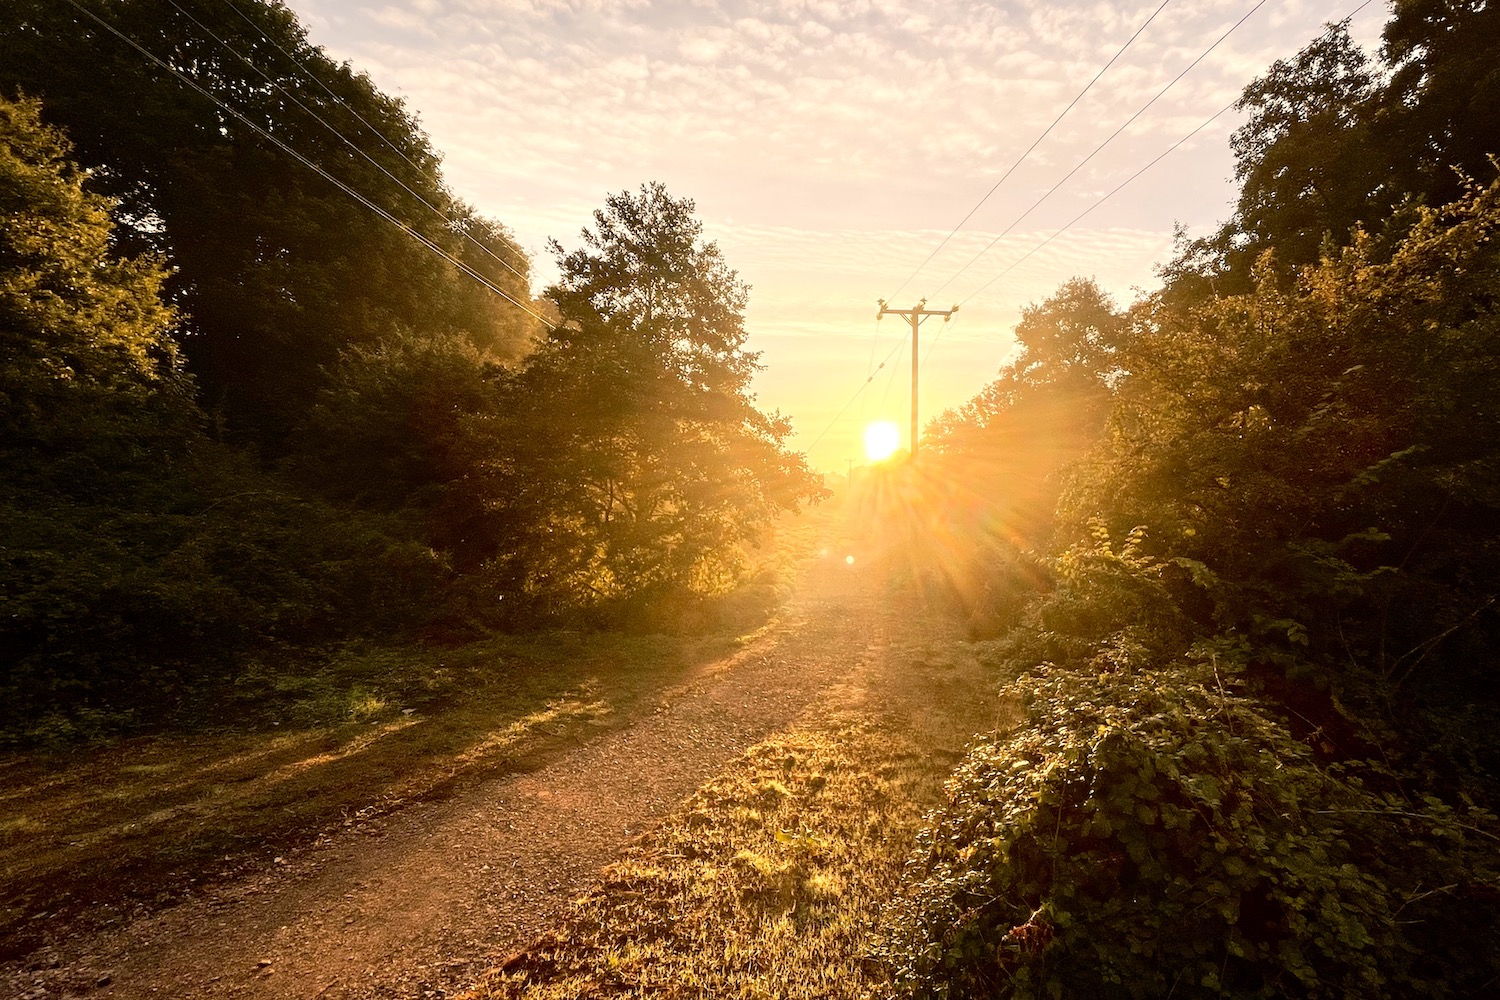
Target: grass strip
{"points": [[771, 879], [139, 821]]}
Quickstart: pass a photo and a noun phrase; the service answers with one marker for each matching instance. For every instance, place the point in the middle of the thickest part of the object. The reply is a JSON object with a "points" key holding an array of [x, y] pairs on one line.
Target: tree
{"points": [[639, 461], [1265, 666], [1261, 693], [1320, 462], [1440, 111], [1304, 159], [93, 406], [276, 268], [1337, 141], [139, 560], [998, 464], [87, 363]]}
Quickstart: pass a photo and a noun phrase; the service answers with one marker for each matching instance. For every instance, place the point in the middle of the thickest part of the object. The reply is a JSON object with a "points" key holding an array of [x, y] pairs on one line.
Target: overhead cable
{"points": [[1079, 217], [1029, 149], [319, 81], [1099, 148], [460, 265], [452, 223], [858, 392], [1161, 156]]}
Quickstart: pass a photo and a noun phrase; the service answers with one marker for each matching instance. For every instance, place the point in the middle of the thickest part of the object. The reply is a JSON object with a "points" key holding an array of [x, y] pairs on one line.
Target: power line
{"points": [[1161, 156], [319, 81], [1077, 218], [462, 267], [863, 386], [1100, 148], [1029, 149], [874, 344], [452, 223], [951, 324], [357, 116]]}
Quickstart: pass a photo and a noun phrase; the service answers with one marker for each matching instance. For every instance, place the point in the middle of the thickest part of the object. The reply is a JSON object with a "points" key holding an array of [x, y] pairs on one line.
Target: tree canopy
{"points": [[641, 457], [269, 385], [88, 361], [276, 268], [1337, 140]]}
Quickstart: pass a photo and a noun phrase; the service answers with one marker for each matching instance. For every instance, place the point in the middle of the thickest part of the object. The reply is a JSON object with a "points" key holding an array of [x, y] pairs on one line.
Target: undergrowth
{"points": [[380, 727]]}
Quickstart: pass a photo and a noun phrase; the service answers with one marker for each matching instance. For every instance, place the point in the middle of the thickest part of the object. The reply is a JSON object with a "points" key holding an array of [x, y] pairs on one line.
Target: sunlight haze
{"points": [[831, 147]]}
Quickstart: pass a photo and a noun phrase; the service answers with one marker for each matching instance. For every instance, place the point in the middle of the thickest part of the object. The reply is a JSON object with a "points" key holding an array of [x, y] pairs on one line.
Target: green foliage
{"points": [[406, 427], [148, 572], [1158, 832], [1252, 751], [997, 466], [276, 271], [1302, 159], [1260, 758], [382, 460], [635, 464], [1441, 107], [621, 471], [1338, 142], [1156, 827], [1327, 454], [87, 367], [138, 612], [139, 561]]}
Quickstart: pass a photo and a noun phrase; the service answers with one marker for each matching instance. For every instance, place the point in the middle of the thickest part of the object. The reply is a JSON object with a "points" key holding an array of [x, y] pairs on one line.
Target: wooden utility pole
{"points": [[915, 317]]}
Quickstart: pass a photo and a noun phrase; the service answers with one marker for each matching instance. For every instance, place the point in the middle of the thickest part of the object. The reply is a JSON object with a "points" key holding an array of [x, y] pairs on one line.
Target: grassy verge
{"points": [[141, 819], [338, 743], [770, 881]]}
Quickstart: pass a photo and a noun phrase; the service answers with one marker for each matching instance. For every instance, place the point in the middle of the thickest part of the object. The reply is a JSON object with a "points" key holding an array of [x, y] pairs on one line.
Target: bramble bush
{"points": [[1154, 832], [1155, 827]]}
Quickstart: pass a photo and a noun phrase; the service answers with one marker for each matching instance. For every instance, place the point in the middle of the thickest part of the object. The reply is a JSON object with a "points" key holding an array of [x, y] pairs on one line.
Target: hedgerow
{"points": [[1155, 827], [1160, 832]]}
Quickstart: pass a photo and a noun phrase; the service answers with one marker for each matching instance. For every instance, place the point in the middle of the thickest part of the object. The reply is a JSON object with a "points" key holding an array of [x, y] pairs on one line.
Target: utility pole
{"points": [[915, 317]]}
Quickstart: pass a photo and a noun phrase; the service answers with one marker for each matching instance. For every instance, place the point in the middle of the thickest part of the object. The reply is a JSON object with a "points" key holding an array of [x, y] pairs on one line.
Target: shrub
{"points": [[151, 602], [1156, 832]]}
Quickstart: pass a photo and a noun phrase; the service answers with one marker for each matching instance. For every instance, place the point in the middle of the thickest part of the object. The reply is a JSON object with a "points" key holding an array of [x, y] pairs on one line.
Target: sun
{"points": [[882, 438]]}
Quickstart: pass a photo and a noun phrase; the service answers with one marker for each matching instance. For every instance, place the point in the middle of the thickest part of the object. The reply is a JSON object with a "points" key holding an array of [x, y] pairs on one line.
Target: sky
{"points": [[832, 146]]}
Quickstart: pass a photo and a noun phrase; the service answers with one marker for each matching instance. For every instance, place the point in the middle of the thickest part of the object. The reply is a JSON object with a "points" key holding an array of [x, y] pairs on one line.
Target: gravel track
{"points": [[418, 904]]}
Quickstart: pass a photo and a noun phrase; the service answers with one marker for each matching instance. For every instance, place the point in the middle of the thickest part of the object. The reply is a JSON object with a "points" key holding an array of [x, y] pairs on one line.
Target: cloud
{"points": [[844, 138]]}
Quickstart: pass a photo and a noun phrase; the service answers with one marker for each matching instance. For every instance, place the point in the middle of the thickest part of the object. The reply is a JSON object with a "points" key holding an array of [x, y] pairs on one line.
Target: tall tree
{"points": [[1336, 141], [87, 362], [999, 462], [1321, 459], [640, 460], [276, 268], [1440, 111], [1303, 159], [140, 560]]}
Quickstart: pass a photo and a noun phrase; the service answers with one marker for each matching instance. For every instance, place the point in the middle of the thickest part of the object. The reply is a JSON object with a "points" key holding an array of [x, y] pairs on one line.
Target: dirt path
{"points": [[417, 906]]}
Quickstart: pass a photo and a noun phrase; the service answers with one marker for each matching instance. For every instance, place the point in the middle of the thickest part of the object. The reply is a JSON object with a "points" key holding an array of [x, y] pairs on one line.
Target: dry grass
{"points": [[765, 886], [770, 881], [141, 819]]}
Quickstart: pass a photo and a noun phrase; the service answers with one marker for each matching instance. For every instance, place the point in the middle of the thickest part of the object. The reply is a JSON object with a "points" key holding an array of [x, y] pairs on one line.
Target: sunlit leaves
{"points": [[276, 271], [1155, 832], [87, 358], [640, 466]]}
